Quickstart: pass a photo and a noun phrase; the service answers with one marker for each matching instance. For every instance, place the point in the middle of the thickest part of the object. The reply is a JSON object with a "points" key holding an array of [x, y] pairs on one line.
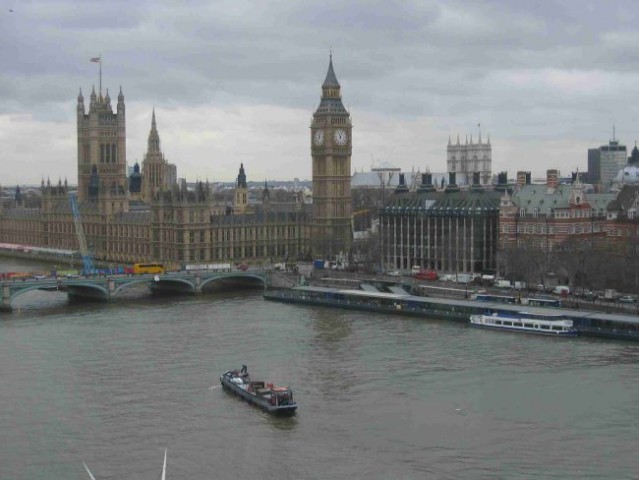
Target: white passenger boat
{"points": [[541, 324]]}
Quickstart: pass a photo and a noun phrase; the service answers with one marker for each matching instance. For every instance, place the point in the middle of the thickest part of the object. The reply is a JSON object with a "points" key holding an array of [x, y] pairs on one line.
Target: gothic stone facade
{"points": [[331, 147], [173, 225]]}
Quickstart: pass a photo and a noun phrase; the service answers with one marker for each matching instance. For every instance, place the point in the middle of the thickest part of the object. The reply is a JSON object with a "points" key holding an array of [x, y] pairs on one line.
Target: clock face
{"points": [[340, 137], [318, 137]]}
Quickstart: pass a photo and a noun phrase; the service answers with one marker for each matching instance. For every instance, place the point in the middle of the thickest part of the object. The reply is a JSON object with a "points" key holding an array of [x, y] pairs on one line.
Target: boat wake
{"points": [[213, 387]]}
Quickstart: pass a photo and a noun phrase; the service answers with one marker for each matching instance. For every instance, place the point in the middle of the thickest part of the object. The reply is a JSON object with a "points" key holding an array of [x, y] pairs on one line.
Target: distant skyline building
{"points": [[465, 159], [633, 159], [605, 162]]}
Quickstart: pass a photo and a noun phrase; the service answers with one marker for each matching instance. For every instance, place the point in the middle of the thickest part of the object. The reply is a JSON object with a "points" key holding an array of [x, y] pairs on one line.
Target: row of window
{"points": [[543, 229], [235, 252], [572, 213]]}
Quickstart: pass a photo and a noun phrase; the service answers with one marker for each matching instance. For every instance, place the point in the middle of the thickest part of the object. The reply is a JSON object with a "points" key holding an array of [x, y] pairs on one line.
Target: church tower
{"points": [[156, 171], [241, 193], [102, 144], [331, 147]]}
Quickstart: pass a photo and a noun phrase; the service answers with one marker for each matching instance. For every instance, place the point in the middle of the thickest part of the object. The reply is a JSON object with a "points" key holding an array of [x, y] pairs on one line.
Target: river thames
{"points": [[380, 397]]}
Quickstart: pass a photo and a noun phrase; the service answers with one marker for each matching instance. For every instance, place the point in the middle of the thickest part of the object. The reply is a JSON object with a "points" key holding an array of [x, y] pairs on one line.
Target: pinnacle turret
{"points": [[331, 79], [154, 137], [331, 101], [241, 177]]}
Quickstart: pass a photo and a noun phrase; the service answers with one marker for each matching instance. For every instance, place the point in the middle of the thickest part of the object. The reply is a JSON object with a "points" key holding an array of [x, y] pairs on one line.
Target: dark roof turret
{"points": [[331, 79]]}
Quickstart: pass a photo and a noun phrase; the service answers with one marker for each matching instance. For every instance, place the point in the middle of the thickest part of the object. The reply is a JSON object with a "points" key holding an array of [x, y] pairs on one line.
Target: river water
{"points": [[380, 397]]}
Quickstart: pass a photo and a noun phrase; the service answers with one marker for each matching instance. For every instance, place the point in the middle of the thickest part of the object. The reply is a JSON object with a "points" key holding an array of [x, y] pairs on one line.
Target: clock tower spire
{"points": [[331, 147]]}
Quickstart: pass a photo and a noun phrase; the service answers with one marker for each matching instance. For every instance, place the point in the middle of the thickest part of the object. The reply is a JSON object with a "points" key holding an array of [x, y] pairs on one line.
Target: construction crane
{"points": [[87, 261]]}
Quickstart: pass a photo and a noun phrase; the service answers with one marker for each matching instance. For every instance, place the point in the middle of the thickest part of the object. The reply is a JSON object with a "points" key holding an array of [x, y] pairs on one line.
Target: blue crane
{"points": [[87, 261]]}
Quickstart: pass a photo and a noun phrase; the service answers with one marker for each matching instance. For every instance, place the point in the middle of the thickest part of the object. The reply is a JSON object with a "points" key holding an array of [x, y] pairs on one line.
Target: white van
{"points": [[561, 290]]}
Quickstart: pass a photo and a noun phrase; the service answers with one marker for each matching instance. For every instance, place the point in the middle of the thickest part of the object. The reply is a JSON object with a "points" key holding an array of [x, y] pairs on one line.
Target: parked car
{"points": [[627, 299], [588, 295], [395, 273]]}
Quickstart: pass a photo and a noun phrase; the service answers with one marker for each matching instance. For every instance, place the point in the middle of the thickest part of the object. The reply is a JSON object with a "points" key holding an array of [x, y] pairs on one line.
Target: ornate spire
{"points": [[331, 79], [80, 96], [154, 137], [331, 101], [241, 178]]}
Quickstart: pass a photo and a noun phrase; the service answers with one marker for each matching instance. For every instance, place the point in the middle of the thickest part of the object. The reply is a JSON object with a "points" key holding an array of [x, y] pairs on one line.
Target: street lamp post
{"points": [[382, 173]]}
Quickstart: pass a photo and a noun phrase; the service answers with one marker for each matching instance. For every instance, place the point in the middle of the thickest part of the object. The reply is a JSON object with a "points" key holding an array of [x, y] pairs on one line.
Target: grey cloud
{"points": [[447, 60]]}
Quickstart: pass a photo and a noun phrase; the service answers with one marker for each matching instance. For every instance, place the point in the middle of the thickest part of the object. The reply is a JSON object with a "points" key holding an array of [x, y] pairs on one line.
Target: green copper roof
{"points": [[461, 203]]}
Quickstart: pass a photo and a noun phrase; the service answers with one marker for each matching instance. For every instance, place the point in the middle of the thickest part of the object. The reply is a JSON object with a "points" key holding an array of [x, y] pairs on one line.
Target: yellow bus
{"points": [[148, 268]]}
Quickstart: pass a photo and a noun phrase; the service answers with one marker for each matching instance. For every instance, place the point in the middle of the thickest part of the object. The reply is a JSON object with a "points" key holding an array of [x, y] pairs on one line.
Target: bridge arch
{"points": [[128, 283], [239, 276], [164, 283], [78, 288], [16, 292]]}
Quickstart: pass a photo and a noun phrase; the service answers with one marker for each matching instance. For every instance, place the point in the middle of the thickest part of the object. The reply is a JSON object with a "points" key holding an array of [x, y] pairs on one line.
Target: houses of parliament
{"points": [[148, 216]]}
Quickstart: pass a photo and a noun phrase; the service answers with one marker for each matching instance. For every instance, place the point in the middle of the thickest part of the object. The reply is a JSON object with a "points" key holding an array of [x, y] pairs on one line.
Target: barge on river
{"points": [[271, 399], [587, 323]]}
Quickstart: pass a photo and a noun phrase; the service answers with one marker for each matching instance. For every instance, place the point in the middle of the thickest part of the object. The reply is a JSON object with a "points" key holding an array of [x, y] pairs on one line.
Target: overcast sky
{"points": [[238, 81]]}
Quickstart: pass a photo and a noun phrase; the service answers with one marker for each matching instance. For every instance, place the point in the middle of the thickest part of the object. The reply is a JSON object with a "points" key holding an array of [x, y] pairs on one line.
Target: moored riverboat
{"points": [[526, 322], [270, 398], [587, 323]]}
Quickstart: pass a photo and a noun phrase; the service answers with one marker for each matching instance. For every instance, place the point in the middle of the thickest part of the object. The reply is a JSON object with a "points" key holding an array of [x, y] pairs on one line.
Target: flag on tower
{"points": [[95, 59]]}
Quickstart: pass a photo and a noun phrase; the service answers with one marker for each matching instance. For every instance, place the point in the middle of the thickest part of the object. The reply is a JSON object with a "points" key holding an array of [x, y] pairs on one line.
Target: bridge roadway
{"points": [[107, 287]]}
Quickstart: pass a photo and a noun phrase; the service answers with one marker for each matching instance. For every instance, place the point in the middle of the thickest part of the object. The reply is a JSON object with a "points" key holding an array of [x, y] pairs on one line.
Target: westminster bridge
{"points": [[108, 287]]}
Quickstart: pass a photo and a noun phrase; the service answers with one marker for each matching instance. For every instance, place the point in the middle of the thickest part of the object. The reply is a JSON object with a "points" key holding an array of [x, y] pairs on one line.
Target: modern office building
{"points": [[605, 162], [451, 230]]}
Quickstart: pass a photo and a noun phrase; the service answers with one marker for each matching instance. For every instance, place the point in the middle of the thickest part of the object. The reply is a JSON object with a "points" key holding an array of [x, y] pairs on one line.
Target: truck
{"points": [[425, 275], [463, 278], [610, 294], [503, 284], [216, 267]]}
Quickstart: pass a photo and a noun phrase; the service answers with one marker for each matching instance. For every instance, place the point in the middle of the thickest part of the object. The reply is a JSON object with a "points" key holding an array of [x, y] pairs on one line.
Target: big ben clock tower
{"points": [[331, 147]]}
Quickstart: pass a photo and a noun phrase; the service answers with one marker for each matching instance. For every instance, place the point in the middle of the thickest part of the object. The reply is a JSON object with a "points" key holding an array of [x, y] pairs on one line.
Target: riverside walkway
{"points": [[107, 287]]}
